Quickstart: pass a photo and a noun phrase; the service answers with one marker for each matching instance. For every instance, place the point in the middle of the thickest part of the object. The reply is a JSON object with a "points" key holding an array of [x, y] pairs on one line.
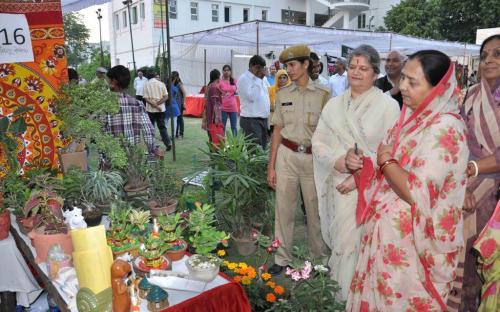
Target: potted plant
{"points": [[82, 110], [73, 184], [242, 200], [140, 220], [204, 237], [136, 172], [152, 250], [49, 227], [15, 193], [163, 189], [120, 232], [102, 187]]}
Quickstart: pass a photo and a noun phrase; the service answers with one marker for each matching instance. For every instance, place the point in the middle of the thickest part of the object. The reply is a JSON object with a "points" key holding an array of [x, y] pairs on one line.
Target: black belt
{"points": [[258, 118]]}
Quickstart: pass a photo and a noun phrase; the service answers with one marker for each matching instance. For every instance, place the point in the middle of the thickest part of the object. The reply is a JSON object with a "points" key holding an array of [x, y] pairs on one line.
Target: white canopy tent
{"points": [[77, 5], [195, 54]]}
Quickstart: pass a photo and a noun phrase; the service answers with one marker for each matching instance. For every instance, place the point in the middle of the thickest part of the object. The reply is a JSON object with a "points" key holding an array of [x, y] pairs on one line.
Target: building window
{"points": [[194, 11], [227, 14], [293, 17], [172, 9], [134, 15], [124, 15], [264, 15], [142, 11], [215, 12], [117, 21], [246, 12], [361, 21]]}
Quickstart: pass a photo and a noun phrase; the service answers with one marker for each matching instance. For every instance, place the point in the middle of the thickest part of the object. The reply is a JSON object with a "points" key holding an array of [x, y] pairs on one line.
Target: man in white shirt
{"points": [[254, 101], [155, 96], [338, 82], [316, 69], [139, 83]]}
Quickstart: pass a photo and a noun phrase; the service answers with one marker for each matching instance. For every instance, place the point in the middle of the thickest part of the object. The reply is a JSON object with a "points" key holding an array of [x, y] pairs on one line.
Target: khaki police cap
{"points": [[297, 52]]}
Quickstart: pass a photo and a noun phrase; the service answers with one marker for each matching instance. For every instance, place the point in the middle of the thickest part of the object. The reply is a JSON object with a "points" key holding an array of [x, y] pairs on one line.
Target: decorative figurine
{"points": [[119, 273], [144, 288], [74, 219], [157, 299]]}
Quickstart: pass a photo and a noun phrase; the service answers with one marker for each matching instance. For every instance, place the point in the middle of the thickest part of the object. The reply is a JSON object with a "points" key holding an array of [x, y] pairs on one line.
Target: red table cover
{"points": [[226, 298]]}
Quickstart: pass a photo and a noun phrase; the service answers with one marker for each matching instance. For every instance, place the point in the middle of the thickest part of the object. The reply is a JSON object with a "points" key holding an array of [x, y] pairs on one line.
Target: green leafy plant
{"points": [[164, 184], [46, 204], [101, 187], [15, 192], [169, 223], [137, 171], [312, 288], [83, 110], [203, 236], [139, 218], [121, 227], [73, 183], [240, 167]]}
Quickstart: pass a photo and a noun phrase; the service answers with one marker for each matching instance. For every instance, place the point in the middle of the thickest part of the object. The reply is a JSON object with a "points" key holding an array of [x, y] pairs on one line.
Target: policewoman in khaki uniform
{"points": [[298, 107]]}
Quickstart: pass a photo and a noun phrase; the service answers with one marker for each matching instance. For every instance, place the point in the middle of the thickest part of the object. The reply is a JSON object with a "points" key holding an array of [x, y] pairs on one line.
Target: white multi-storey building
{"points": [[146, 17]]}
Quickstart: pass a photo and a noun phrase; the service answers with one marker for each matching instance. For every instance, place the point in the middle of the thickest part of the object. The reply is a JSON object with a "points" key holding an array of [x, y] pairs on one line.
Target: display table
{"points": [[219, 295], [16, 277], [195, 105]]}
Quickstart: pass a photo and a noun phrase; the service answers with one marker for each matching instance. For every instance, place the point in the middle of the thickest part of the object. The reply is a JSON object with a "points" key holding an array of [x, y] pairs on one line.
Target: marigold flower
{"points": [[266, 276], [237, 279], [279, 290], [251, 272], [242, 265], [270, 297], [221, 252], [271, 284], [246, 280], [243, 271], [225, 263], [231, 266]]}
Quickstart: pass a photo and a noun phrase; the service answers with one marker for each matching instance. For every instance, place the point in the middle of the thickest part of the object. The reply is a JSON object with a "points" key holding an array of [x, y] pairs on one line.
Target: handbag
{"points": [[216, 131]]}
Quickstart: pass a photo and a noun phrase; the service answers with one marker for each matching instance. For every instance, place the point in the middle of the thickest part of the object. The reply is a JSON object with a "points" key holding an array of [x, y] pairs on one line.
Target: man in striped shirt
{"points": [[155, 95], [131, 120]]}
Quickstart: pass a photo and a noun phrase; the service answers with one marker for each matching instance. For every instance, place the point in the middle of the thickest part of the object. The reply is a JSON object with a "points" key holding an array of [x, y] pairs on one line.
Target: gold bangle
{"points": [[386, 163]]}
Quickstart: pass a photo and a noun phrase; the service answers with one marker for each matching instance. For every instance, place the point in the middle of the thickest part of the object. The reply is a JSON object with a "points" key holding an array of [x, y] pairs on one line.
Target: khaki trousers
{"points": [[293, 170]]}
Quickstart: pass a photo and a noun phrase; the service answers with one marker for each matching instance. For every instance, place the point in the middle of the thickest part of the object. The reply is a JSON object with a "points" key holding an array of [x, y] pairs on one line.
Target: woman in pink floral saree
{"points": [[411, 207]]}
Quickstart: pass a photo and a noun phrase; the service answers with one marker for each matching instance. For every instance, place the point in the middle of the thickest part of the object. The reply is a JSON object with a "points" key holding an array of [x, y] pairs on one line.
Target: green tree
{"points": [[454, 20], [415, 17], [87, 70], [76, 36]]}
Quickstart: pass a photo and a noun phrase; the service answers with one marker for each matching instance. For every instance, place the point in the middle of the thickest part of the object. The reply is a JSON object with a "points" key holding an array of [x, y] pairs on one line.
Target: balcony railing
{"points": [[355, 1]]}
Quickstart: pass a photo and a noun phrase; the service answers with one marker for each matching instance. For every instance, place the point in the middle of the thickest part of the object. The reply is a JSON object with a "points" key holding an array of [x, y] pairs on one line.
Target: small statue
{"points": [[119, 273], [74, 219]]}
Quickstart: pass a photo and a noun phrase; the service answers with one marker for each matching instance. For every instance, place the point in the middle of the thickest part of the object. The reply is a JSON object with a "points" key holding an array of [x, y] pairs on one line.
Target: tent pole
{"points": [[169, 84], [231, 59], [390, 42], [257, 37], [205, 67]]}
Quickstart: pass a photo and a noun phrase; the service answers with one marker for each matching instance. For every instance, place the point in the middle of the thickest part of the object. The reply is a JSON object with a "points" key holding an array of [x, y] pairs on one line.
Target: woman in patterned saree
{"points": [[481, 112], [360, 116], [410, 206]]}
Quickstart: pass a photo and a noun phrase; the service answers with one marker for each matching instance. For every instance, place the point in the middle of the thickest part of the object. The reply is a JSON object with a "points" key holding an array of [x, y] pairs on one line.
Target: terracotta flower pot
{"points": [[4, 224], [157, 210], [245, 246], [178, 253], [136, 190], [27, 224], [42, 242], [78, 159]]}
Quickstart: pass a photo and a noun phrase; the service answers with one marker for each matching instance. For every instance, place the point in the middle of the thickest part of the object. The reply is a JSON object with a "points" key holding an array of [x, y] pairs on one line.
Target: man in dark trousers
{"points": [[390, 82]]}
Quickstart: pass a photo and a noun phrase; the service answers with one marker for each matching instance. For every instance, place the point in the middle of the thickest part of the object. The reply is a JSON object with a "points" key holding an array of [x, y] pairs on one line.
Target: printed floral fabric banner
{"points": [[35, 83]]}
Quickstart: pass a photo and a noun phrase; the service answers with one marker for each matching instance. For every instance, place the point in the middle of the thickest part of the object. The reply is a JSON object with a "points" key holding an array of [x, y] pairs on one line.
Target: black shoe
{"points": [[169, 147], [275, 269]]}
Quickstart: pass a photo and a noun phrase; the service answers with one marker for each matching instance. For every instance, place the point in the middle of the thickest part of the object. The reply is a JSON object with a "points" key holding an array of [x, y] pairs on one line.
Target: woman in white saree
{"points": [[360, 118]]}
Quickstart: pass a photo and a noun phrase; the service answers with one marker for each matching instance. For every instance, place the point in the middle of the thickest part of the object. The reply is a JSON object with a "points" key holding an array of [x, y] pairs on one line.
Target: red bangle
{"points": [[386, 163]]}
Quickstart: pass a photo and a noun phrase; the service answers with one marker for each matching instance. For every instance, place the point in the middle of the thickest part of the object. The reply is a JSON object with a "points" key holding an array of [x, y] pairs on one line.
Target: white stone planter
{"points": [[205, 271]]}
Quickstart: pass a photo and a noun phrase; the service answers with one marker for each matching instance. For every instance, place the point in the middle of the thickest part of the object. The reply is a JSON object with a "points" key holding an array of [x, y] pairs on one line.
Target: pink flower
{"points": [[276, 243], [289, 271], [255, 233], [296, 276], [306, 271]]}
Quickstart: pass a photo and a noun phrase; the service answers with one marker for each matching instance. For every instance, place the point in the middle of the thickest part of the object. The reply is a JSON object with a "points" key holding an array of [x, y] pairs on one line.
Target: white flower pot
{"points": [[204, 271]]}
